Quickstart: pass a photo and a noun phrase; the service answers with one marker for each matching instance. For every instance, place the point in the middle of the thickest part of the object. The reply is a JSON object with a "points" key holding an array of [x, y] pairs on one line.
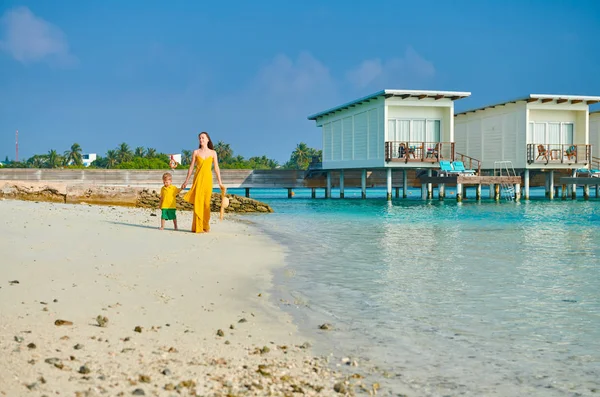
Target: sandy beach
{"points": [[95, 300]]}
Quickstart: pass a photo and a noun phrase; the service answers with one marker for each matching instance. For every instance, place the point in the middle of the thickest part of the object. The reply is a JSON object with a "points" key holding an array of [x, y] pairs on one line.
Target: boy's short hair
{"points": [[167, 175]]}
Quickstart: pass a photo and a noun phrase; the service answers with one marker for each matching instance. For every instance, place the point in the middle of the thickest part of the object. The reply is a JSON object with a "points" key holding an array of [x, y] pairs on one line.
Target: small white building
{"points": [[595, 138], [176, 158], [535, 132], [88, 158], [392, 129], [368, 132]]}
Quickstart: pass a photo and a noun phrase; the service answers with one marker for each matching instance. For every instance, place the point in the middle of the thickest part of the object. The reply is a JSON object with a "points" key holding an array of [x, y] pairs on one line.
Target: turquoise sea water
{"points": [[451, 299]]}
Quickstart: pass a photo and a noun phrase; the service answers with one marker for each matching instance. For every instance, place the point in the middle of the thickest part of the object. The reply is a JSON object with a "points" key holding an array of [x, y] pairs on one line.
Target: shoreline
{"points": [[81, 262], [337, 343]]}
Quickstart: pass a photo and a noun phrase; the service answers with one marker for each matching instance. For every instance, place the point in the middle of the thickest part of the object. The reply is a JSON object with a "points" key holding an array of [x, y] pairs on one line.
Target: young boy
{"points": [[168, 201]]}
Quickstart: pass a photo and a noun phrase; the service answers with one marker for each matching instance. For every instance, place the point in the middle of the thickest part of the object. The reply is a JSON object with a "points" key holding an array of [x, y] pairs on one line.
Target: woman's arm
{"points": [[190, 170], [217, 170]]}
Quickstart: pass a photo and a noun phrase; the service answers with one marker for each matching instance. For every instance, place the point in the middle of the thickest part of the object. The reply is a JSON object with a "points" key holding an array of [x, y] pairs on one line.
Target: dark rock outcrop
{"points": [[116, 195], [149, 198]]}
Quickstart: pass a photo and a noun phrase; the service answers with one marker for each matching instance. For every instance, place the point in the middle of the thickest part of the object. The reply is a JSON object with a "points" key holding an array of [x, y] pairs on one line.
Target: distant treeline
{"points": [[123, 157]]}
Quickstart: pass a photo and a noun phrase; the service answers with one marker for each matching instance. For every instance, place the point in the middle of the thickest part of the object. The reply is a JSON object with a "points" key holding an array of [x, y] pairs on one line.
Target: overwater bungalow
{"points": [[391, 130], [595, 136], [536, 133]]}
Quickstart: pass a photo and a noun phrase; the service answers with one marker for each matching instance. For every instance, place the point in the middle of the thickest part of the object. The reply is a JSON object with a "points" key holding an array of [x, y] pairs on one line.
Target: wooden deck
{"points": [[579, 181], [471, 180], [569, 185]]}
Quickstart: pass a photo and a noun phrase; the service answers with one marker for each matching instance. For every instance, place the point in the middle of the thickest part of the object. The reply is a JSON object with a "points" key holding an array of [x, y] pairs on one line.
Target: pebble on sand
{"points": [[102, 321]]}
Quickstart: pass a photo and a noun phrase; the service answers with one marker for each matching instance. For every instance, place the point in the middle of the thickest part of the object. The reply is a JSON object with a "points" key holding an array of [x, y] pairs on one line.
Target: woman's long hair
{"points": [[210, 144]]}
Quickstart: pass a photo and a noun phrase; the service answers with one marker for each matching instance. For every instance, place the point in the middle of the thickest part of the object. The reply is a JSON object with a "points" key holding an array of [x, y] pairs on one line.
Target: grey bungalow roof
{"points": [[454, 95], [544, 98]]}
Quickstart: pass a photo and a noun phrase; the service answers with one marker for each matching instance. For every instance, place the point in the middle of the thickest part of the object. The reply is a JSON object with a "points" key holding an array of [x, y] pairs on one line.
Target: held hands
{"points": [[221, 186], [184, 185]]}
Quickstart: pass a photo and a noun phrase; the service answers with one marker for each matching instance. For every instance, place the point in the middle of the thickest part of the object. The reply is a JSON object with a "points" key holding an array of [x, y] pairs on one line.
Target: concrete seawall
{"points": [[231, 178]]}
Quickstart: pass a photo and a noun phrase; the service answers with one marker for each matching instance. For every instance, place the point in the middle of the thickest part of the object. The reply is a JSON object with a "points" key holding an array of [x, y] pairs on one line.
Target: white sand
{"points": [[75, 262]]}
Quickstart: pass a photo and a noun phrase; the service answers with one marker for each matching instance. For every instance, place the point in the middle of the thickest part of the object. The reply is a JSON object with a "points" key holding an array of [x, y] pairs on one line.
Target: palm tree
{"points": [[186, 157], [37, 161], [301, 156], [150, 153], [139, 151], [73, 156], [54, 159], [112, 158], [100, 162], [224, 151], [124, 153], [263, 162], [272, 164]]}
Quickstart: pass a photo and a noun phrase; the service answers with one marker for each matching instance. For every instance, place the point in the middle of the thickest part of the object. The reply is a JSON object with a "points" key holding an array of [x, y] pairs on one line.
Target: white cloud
{"points": [[283, 76], [368, 71], [288, 88], [29, 39], [398, 72], [272, 107]]}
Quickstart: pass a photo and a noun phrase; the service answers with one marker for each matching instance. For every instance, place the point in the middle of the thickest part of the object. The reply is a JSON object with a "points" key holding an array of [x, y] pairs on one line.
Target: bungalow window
{"points": [[567, 133], [551, 133], [415, 130], [538, 132], [433, 131]]}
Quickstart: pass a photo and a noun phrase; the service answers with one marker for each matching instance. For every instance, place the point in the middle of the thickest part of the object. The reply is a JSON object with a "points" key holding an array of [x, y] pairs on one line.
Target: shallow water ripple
{"points": [[472, 298]]}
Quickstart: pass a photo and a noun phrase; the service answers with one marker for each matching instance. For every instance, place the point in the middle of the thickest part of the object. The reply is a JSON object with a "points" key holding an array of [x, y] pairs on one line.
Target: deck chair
{"points": [[446, 168], [434, 151], [571, 152], [592, 173], [401, 151], [542, 152], [459, 167]]}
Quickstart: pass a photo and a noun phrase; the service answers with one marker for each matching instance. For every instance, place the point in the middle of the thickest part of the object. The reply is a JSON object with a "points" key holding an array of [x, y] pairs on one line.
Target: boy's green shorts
{"points": [[169, 214]]}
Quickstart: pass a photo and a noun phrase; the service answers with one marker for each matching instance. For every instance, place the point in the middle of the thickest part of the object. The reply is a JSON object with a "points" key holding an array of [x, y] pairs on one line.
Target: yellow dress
{"points": [[200, 194]]}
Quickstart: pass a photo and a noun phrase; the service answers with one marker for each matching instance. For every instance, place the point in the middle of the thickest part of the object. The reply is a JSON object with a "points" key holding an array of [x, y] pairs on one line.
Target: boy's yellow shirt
{"points": [[169, 197]]}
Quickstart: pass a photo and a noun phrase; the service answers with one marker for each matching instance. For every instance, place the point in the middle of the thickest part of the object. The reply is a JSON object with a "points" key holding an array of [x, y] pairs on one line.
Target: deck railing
{"points": [[555, 153], [469, 162], [595, 163], [410, 151]]}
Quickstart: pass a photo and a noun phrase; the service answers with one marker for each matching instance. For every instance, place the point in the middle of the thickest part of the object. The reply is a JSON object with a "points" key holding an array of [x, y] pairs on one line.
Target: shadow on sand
{"points": [[133, 225], [145, 226], [170, 229]]}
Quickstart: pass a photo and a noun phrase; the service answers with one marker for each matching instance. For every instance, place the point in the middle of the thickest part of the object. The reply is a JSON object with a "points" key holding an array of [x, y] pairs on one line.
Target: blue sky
{"points": [[155, 73]]}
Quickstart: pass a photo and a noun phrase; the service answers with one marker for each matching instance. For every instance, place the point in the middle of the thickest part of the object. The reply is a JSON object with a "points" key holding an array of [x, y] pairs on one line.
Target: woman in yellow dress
{"points": [[201, 191]]}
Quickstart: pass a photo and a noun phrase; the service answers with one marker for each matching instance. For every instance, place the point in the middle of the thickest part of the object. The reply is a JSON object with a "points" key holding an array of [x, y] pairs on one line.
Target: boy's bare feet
{"points": [[161, 228]]}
